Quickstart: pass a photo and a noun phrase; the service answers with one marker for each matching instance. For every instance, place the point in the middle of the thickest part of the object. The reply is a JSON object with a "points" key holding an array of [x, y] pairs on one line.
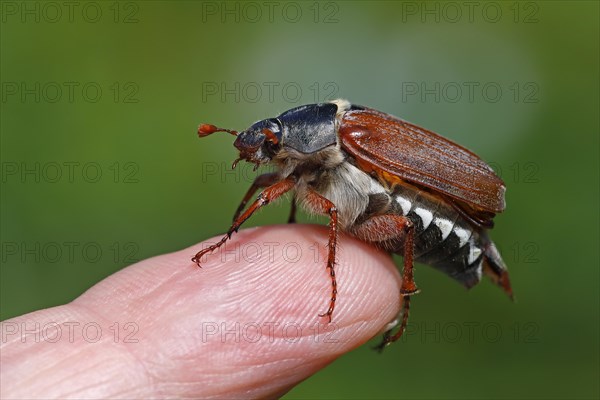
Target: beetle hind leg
{"points": [[407, 289], [388, 337], [387, 227]]}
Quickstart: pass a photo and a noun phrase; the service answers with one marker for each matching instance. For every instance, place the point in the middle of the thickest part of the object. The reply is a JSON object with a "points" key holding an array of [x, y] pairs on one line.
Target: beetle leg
{"points": [[408, 281], [324, 206], [387, 227], [388, 338], [292, 217], [261, 181], [265, 197]]}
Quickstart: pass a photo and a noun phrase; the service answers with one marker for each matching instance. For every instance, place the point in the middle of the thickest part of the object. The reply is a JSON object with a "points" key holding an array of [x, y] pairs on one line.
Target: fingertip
{"points": [[281, 272], [255, 302], [279, 284]]}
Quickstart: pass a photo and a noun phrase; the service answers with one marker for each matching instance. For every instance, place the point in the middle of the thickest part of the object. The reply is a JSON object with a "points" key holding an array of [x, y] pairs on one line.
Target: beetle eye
{"points": [[272, 134], [271, 137]]}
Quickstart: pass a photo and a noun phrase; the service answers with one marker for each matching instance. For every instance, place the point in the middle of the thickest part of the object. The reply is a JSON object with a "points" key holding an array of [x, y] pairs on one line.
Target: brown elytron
{"points": [[417, 155], [383, 180]]}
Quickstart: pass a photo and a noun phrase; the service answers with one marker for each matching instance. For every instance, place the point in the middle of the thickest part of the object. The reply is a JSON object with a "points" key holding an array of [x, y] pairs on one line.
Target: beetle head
{"points": [[259, 143]]}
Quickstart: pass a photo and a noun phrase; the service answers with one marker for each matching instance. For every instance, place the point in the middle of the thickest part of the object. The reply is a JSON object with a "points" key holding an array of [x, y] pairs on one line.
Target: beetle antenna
{"points": [[208, 129], [270, 136]]}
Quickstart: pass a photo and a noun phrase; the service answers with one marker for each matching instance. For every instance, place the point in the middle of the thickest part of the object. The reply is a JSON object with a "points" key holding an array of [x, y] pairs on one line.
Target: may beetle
{"points": [[383, 180]]}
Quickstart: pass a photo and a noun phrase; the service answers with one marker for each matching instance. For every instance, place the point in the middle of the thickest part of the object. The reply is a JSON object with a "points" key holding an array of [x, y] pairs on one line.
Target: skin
{"points": [[175, 345]]}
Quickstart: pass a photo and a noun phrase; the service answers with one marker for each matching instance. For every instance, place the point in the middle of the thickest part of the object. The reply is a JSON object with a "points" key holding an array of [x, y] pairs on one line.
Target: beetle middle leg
{"points": [[292, 217], [389, 227], [268, 195], [325, 206]]}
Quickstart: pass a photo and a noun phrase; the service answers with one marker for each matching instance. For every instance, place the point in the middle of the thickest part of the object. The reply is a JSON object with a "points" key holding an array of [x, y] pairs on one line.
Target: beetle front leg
{"points": [[389, 227], [261, 181], [268, 195], [325, 206]]}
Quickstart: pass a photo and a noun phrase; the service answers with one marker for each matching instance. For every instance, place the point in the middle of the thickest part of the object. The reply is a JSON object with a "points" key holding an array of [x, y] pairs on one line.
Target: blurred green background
{"points": [[101, 165]]}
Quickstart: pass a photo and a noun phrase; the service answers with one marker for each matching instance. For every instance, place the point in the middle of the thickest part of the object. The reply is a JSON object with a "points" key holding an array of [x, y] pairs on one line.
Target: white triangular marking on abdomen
{"points": [[426, 216], [444, 225], [474, 253], [404, 203], [463, 235]]}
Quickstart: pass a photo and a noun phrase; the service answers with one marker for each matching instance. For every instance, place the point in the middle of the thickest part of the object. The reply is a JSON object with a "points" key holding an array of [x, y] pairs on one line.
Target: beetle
{"points": [[382, 180]]}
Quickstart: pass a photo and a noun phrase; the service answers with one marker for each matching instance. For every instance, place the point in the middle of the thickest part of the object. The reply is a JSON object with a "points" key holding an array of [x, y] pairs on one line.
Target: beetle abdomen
{"points": [[443, 239]]}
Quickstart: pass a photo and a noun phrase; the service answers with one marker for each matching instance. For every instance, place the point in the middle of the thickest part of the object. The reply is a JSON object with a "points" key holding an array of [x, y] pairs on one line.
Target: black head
{"points": [[259, 143]]}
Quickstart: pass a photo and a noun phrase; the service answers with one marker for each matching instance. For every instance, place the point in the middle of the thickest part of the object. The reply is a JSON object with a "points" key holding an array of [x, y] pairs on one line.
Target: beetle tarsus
{"points": [[196, 261], [209, 249], [388, 338], [328, 314], [384, 343]]}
